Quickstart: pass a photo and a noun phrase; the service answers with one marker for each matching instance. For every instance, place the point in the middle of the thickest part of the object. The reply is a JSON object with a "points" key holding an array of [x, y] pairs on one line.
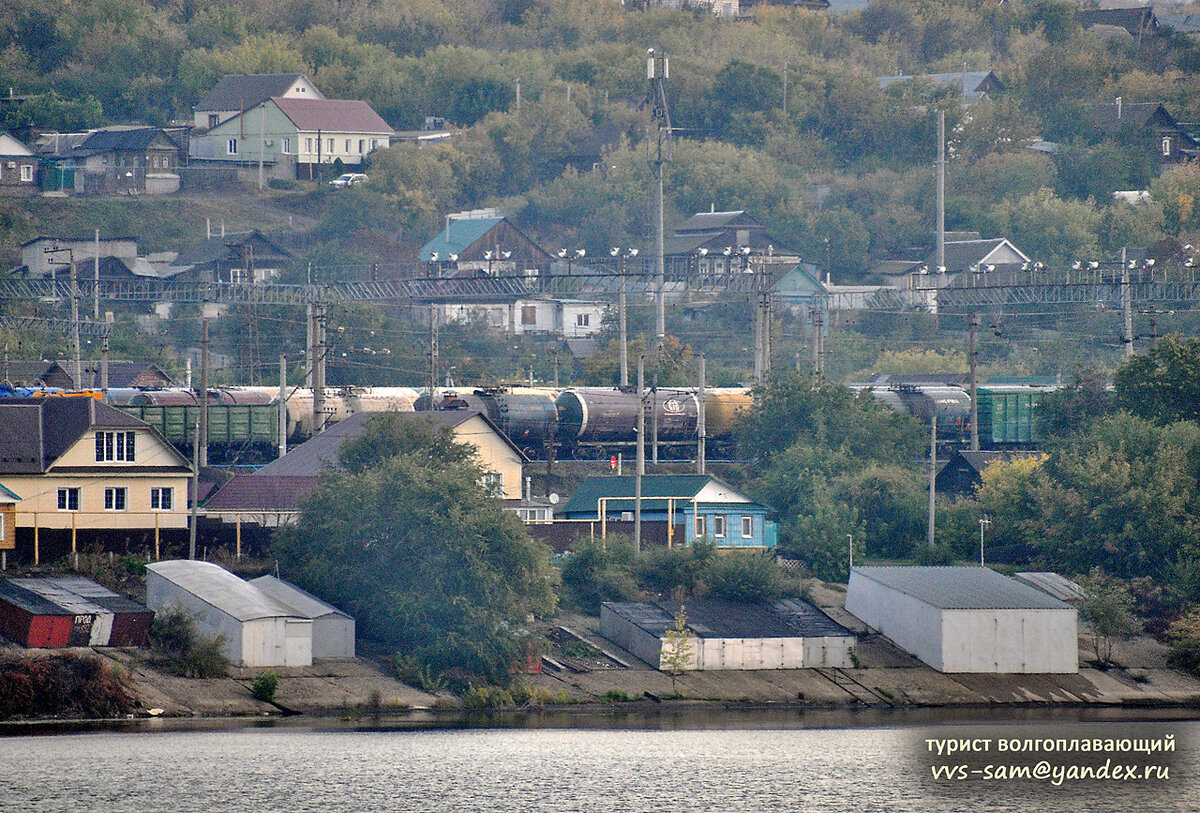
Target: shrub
{"points": [[741, 577], [414, 673], [264, 687], [1185, 643], [134, 564], [66, 685], [177, 645], [617, 696], [599, 573]]}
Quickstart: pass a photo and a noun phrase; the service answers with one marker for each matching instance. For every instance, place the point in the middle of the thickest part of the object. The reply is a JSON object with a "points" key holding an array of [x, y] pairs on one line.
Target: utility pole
{"points": [[654, 410], [433, 352], [282, 405], [202, 431], [641, 455], [762, 323], [818, 317], [195, 491], [319, 353], [700, 425], [657, 71], [104, 365], [973, 355], [75, 346], [1126, 306], [96, 281], [932, 476], [941, 193], [785, 78]]}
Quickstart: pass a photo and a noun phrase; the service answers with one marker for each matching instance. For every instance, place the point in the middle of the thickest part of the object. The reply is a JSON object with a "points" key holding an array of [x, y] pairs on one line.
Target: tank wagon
{"points": [[598, 416]]}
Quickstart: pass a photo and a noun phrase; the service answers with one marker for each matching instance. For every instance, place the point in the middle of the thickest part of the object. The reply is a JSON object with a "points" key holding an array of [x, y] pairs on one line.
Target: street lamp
{"points": [[983, 521]]}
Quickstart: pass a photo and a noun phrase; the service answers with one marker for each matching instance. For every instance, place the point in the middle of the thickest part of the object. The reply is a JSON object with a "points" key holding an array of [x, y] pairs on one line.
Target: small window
{"points": [[287, 146], [330, 145], [68, 499], [362, 146], [719, 526], [373, 144], [701, 531], [529, 314], [27, 173], [1166, 147], [747, 527], [493, 481], [581, 320], [308, 145], [347, 146], [213, 120], [162, 499], [115, 446], [116, 499]]}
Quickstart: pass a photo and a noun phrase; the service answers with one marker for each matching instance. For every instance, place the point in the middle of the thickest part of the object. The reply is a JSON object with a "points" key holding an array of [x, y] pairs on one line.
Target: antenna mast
{"points": [[657, 71]]}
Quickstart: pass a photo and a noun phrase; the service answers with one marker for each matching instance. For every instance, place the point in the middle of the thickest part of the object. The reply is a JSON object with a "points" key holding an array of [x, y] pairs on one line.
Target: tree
{"points": [[412, 546], [1163, 383], [679, 647], [1107, 607]]}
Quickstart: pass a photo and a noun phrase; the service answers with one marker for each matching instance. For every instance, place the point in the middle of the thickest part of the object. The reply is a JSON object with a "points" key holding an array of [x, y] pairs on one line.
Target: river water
{"points": [[742, 762]]}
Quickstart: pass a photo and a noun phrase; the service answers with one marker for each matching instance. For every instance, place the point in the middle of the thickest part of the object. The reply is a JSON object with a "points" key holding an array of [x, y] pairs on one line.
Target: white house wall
{"points": [[1010, 641]]}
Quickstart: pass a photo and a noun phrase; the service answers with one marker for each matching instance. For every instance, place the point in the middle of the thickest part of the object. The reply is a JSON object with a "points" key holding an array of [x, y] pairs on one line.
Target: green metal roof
{"points": [[460, 236], [619, 491]]}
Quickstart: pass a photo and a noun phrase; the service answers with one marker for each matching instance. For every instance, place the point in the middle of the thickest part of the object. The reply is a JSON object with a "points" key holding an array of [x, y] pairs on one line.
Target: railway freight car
{"points": [[598, 416], [1008, 414]]}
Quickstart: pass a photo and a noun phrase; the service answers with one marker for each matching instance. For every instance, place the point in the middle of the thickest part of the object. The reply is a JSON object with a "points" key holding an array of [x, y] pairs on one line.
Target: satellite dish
{"points": [[553, 498]]}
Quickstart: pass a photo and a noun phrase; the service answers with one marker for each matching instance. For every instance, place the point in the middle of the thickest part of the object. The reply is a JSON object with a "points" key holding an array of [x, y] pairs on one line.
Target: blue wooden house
{"points": [[691, 506]]}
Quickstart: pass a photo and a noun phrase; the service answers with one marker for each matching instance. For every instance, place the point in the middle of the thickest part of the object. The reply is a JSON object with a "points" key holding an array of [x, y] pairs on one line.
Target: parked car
{"points": [[349, 179]]}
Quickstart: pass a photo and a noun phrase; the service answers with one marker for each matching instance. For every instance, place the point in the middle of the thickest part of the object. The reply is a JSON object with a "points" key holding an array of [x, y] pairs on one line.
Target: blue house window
{"points": [[747, 527], [701, 531], [719, 526]]}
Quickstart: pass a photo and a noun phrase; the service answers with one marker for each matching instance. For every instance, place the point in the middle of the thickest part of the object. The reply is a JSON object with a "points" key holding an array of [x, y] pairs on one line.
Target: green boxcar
{"points": [[1008, 414], [229, 425]]}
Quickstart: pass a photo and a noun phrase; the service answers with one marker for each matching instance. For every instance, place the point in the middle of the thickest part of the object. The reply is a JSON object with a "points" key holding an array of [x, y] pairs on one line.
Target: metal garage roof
{"points": [[305, 604], [962, 588], [786, 618], [215, 585]]}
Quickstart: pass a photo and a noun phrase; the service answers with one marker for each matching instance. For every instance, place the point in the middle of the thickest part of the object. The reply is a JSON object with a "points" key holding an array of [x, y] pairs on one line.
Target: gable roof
{"points": [[976, 83], [243, 91], [332, 115], [457, 237], [1135, 19], [706, 221], [216, 586], [1114, 118], [961, 588], [305, 604], [35, 432], [268, 493], [124, 139], [220, 247], [618, 491], [121, 374], [11, 146], [320, 452], [961, 255]]}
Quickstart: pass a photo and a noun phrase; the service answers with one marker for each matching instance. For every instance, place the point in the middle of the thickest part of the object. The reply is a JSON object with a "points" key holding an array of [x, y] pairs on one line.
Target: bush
{"points": [[264, 687], [65, 685], [283, 184], [1185, 643], [746, 577], [617, 696], [669, 571], [177, 645], [134, 564], [599, 573]]}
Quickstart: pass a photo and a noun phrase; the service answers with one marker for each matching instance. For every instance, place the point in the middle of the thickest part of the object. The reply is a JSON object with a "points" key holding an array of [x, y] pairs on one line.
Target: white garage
{"points": [[967, 619], [333, 630], [258, 630]]}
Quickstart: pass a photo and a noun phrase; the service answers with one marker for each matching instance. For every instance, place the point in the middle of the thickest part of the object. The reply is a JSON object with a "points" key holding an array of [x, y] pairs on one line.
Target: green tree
{"points": [[413, 547], [1107, 608], [679, 647], [1163, 383]]}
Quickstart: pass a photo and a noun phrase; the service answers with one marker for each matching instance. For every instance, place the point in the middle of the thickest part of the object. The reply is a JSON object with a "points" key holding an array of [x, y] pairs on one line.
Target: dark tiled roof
{"points": [[121, 374], [223, 247], [34, 432], [24, 373], [255, 492], [239, 91], [708, 221], [124, 139], [961, 588], [1113, 118], [1135, 20], [333, 115], [711, 618]]}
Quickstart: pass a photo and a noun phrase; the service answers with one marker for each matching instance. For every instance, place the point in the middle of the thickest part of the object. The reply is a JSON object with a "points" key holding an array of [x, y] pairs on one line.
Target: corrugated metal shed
{"points": [[1055, 585], [333, 630], [218, 587], [962, 588]]}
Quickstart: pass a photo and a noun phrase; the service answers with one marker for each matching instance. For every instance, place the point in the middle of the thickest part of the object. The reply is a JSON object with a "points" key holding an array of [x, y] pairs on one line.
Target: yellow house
{"points": [[8, 519], [79, 464], [271, 496]]}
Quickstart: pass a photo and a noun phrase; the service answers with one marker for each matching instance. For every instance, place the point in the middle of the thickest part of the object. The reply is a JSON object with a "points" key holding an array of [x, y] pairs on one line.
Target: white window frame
{"points": [[27, 173], [157, 503], [701, 526], [493, 481], [747, 520], [718, 526], [68, 499], [362, 145], [308, 146], [116, 498], [287, 145], [581, 320], [330, 144], [1166, 146], [348, 142], [231, 147]]}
